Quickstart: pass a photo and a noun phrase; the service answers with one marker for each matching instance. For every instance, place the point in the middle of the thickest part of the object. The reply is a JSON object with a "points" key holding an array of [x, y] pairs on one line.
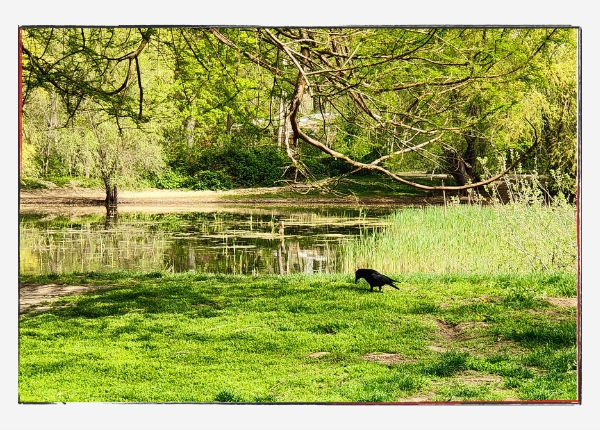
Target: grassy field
{"points": [[158, 337]]}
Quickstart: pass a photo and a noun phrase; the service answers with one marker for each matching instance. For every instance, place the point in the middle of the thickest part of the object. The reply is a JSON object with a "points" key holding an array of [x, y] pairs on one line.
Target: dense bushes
{"points": [[233, 165], [325, 166], [321, 165], [225, 167], [254, 167], [210, 180]]}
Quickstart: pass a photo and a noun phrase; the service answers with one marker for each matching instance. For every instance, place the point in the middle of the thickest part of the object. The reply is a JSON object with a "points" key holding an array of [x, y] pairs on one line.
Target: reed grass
{"points": [[469, 239]]}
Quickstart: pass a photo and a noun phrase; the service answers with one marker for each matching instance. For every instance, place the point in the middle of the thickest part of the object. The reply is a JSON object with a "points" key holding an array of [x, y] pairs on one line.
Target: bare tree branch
{"points": [[215, 32], [397, 178]]}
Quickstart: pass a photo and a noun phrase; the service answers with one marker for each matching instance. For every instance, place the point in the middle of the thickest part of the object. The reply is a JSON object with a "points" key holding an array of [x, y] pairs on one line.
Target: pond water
{"points": [[242, 241]]}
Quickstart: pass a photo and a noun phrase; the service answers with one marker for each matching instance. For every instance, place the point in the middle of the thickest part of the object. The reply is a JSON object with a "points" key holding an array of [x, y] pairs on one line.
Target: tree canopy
{"points": [[470, 102]]}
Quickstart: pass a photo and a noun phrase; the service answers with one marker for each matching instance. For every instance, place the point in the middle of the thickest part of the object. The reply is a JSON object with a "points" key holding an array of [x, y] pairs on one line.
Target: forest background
{"points": [[222, 108]]}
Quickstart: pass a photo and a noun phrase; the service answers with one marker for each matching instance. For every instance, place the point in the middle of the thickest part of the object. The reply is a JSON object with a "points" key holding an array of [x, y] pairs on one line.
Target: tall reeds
{"points": [[470, 239]]}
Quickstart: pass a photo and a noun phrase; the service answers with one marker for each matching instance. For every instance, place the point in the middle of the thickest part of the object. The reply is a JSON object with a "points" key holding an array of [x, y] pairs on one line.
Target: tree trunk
{"points": [[457, 166], [282, 129], [229, 123], [111, 196], [189, 132]]}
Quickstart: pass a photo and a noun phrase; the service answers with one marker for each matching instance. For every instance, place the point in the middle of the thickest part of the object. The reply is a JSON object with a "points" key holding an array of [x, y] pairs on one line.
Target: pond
{"points": [[242, 241]]}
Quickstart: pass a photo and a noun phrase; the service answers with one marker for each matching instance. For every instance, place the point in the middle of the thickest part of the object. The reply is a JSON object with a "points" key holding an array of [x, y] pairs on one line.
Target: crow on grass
{"points": [[374, 278]]}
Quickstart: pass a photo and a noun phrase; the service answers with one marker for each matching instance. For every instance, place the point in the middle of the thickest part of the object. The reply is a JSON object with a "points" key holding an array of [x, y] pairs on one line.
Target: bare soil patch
{"points": [[388, 358], [470, 378], [416, 399], [460, 331], [435, 348], [33, 296], [465, 332], [563, 301], [318, 354], [474, 378]]}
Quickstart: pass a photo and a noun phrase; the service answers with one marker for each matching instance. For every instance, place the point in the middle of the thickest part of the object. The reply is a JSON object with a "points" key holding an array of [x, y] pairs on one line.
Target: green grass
{"points": [[470, 239], [158, 337]]}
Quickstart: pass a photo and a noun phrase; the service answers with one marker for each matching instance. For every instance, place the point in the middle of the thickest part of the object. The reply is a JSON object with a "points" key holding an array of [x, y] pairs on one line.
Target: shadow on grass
{"points": [[447, 364], [206, 296], [203, 295], [561, 334], [534, 326]]}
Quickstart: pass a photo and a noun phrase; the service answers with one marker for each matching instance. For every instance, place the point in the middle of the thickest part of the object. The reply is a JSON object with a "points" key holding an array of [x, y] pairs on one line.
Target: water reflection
{"points": [[283, 241], [112, 216]]}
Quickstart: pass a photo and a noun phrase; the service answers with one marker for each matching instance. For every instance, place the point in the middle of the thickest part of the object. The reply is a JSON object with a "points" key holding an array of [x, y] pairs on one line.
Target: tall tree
{"points": [[392, 91], [97, 74]]}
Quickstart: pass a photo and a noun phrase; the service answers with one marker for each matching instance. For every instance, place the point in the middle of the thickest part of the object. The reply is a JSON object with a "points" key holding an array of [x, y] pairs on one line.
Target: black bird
{"points": [[374, 278]]}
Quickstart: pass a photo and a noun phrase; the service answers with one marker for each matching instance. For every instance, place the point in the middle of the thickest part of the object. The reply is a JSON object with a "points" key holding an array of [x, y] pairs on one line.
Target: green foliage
{"points": [[226, 167], [170, 179], [33, 183], [189, 91], [60, 181], [197, 337], [261, 166], [322, 167], [209, 180]]}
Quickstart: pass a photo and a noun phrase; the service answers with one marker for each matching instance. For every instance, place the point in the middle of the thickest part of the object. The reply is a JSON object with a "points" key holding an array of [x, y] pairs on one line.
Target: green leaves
{"points": [[389, 96]]}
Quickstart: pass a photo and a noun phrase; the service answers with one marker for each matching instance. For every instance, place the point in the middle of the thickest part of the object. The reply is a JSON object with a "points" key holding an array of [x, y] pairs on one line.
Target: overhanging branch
{"points": [[376, 167]]}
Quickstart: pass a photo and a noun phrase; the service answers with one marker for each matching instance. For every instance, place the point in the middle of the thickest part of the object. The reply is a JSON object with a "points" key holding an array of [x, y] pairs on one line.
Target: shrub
{"points": [[245, 166], [210, 180], [170, 180], [229, 166], [32, 184]]}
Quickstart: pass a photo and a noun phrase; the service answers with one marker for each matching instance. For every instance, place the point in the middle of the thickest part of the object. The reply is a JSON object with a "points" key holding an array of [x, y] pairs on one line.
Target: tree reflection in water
{"points": [[278, 242]]}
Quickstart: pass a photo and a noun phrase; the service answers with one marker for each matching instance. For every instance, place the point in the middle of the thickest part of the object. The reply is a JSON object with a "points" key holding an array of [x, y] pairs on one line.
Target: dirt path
{"points": [[32, 296], [79, 201], [90, 201], [87, 196]]}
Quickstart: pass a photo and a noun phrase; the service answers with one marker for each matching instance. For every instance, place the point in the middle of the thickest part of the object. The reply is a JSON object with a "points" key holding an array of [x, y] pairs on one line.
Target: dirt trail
{"points": [[31, 296], [91, 201], [74, 200]]}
